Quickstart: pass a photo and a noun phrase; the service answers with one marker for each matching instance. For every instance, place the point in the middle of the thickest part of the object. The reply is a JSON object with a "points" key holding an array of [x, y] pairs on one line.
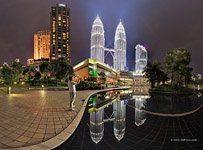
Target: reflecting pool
{"points": [[128, 119]]}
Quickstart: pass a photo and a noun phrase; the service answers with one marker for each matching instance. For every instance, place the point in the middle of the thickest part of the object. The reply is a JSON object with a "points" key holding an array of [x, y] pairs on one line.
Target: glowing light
{"points": [[97, 40], [140, 115], [62, 5], [98, 44], [9, 90], [120, 48], [141, 58]]}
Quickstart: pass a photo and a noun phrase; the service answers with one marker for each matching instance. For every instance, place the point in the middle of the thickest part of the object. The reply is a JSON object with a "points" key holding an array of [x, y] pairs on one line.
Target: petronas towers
{"points": [[97, 40], [98, 44]]}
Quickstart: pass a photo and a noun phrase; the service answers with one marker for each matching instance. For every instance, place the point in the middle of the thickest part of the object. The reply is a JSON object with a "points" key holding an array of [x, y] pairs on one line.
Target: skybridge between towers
{"points": [[109, 51]]}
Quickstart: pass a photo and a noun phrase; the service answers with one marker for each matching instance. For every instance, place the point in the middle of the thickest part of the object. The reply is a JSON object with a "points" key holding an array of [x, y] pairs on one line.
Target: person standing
{"points": [[72, 91]]}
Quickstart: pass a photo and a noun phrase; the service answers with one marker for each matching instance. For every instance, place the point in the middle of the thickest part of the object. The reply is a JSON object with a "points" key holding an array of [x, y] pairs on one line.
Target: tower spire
{"points": [[97, 46], [120, 47]]}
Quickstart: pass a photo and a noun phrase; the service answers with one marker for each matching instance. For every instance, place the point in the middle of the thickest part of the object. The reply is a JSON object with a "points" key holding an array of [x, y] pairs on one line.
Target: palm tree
{"points": [[163, 77], [152, 72]]}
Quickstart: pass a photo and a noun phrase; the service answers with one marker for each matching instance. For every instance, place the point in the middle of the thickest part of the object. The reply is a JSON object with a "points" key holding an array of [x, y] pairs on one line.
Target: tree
{"points": [[7, 74], [12, 73], [17, 68], [185, 75], [177, 61], [61, 69], [37, 76], [45, 69], [162, 77], [152, 72], [29, 74]]}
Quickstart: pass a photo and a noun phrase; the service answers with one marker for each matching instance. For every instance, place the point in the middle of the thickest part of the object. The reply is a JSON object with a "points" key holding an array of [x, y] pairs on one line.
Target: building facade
{"points": [[60, 32], [98, 48], [42, 45], [141, 57], [97, 40], [92, 68], [120, 48]]}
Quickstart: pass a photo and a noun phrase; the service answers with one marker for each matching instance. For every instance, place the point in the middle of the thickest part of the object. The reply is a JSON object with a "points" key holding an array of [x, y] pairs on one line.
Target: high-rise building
{"points": [[120, 48], [97, 40], [98, 48], [60, 32], [42, 45], [140, 58]]}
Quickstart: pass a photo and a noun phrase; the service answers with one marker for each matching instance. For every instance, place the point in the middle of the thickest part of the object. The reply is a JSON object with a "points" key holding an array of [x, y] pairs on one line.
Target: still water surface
{"points": [[120, 120]]}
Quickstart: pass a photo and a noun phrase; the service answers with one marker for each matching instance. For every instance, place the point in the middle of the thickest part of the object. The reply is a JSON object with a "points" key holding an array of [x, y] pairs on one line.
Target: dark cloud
{"points": [[158, 24]]}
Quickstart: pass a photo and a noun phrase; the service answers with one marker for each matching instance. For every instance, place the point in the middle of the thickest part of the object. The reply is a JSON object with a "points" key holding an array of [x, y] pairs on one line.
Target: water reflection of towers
{"points": [[97, 125], [140, 115], [118, 117], [119, 111]]}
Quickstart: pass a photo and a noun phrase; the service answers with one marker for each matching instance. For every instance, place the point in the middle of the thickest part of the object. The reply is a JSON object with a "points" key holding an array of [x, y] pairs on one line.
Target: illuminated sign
{"points": [[92, 70]]}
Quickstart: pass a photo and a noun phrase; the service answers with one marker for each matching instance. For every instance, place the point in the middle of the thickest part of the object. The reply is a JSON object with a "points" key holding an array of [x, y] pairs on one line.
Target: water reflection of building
{"points": [[119, 124], [140, 115], [97, 125], [118, 116]]}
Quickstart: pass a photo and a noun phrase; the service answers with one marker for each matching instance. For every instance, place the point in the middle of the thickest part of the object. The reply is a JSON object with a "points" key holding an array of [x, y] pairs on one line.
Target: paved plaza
{"points": [[35, 116]]}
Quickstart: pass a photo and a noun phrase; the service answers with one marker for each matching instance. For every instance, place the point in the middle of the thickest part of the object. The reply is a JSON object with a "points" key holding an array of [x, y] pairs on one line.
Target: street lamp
{"points": [[9, 90]]}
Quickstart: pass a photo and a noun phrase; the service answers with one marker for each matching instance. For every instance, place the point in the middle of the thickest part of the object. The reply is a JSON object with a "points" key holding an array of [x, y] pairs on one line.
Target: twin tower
{"points": [[98, 44]]}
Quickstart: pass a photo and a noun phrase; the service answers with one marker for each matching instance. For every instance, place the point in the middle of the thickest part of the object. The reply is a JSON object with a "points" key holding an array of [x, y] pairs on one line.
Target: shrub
{"points": [[87, 85]]}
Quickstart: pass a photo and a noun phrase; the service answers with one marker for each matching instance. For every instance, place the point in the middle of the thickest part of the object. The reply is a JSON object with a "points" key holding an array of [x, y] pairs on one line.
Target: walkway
{"points": [[35, 116]]}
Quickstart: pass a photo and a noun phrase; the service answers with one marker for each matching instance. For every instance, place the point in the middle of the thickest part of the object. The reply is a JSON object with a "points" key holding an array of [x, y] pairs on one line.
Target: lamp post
{"points": [[199, 77], [193, 79], [9, 90]]}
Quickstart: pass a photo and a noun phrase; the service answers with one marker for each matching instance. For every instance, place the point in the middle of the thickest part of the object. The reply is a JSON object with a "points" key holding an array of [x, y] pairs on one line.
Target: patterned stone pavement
{"points": [[35, 116]]}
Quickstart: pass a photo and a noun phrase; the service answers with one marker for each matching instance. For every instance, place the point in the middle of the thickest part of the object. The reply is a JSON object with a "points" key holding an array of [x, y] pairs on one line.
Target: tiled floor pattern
{"points": [[35, 116]]}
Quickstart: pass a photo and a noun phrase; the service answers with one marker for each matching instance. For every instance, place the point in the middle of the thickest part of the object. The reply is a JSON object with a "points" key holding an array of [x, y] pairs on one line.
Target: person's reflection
{"points": [[140, 115], [119, 124], [97, 125]]}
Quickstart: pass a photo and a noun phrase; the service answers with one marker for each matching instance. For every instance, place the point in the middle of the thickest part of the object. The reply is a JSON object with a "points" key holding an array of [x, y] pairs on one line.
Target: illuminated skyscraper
{"points": [[42, 45], [98, 48], [140, 58], [60, 32], [120, 48], [97, 40]]}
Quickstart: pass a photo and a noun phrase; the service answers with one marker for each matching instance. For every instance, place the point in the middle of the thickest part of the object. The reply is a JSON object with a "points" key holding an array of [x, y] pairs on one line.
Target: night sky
{"points": [[160, 25]]}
